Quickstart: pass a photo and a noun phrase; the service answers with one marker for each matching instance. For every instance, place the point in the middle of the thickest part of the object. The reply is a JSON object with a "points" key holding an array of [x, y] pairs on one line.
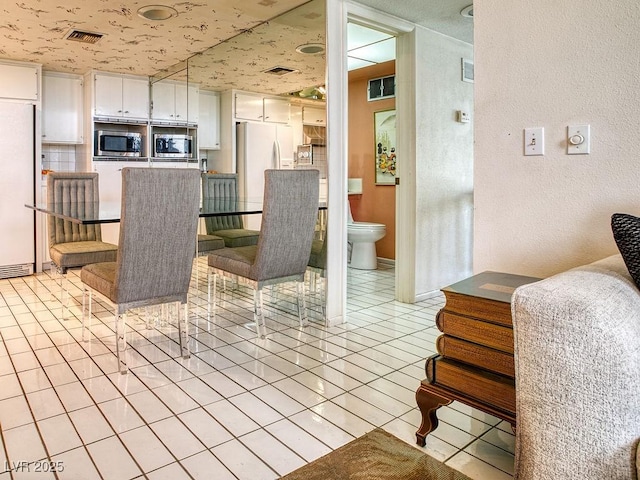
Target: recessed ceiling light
{"points": [[310, 48], [467, 11], [157, 12]]}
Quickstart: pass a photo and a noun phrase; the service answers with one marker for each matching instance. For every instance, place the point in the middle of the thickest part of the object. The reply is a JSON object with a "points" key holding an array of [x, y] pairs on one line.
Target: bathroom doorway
{"points": [[371, 187]]}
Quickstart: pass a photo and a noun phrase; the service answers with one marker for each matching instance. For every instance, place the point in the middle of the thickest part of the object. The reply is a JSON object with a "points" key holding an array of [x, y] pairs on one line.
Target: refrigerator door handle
{"points": [[276, 154]]}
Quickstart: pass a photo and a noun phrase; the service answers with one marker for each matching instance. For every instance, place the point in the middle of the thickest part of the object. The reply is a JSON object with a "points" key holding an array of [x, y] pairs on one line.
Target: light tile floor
{"points": [[240, 407]]}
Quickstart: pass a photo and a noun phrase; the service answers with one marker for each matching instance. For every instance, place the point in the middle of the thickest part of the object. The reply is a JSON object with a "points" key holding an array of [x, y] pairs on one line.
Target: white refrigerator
{"points": [[17, 187], [260, 146]]}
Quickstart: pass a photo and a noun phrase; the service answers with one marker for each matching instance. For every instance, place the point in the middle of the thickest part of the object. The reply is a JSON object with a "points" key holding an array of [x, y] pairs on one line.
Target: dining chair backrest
{"points": [[71, 193], [158, 225], [290, 209], [220, 192]]}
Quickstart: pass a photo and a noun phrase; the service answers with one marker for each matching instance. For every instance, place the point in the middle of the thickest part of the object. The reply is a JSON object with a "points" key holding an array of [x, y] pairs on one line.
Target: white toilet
{"points": [[362, 237]]}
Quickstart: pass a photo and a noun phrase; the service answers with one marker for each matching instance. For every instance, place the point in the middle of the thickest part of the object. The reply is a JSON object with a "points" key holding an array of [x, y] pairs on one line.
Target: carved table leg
{"points": [[428, 402]]}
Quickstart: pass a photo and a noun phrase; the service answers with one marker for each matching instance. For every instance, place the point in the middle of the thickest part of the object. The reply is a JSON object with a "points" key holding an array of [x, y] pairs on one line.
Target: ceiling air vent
{"points": [[84, 37], [280, 71]]}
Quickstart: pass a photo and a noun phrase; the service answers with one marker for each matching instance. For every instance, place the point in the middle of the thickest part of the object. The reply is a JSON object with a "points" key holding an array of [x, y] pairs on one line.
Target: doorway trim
{"points": [[338, 14]]}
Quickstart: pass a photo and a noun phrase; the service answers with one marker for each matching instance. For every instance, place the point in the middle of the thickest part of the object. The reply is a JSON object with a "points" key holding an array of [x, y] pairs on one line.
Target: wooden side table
{"points": [[474, 363]]}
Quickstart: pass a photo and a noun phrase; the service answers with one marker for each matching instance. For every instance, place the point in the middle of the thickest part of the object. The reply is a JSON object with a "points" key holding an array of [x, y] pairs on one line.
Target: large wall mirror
{"points": [[284, 56]]}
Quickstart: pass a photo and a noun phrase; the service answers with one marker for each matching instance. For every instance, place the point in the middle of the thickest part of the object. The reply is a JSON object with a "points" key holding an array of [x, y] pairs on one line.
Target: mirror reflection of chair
{"points": [[288, 222], [72, 245], [318, 268], [158, 224], [220, 193]]}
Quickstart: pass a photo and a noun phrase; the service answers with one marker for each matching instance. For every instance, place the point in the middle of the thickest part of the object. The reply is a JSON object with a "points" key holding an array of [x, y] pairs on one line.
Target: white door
{"points": [[17, 184]]}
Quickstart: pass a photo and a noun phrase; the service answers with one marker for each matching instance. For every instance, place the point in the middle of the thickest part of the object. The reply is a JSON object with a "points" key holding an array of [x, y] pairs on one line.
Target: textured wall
{"points": [[551, 64], [444, 162], [377, 203]]}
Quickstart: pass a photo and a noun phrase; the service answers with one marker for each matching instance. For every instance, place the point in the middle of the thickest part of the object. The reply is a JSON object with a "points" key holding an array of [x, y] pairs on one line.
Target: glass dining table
{"points": [[109, 212]]}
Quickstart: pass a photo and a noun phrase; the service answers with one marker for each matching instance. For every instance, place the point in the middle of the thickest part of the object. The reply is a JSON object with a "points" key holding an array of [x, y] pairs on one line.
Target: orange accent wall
{"points": [[378, 202]]}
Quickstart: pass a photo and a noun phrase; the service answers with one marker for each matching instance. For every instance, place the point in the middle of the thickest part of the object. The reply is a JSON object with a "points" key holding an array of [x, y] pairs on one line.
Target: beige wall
{"points": [[551, 64], [377, 203]]}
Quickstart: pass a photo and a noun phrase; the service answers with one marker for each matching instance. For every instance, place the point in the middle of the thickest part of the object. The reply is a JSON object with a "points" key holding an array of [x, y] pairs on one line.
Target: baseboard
{"points": [[387, 261], [427, 295]]}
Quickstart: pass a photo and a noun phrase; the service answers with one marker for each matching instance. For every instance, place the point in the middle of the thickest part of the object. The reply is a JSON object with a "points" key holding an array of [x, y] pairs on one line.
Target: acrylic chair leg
{"points": [[183, 327], [208, 295], [258, 313], [121, 343], [63, 301], [215, 294], [87, 292], [323, 297], [302, 305]]}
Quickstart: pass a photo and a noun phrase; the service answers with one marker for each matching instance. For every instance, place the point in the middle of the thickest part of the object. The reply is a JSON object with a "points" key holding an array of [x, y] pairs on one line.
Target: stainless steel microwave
{"points": [[172, 146], [117, 144]]}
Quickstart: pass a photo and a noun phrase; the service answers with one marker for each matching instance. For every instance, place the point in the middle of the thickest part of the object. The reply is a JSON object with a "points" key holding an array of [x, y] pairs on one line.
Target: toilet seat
{"points": [[365, 225]]}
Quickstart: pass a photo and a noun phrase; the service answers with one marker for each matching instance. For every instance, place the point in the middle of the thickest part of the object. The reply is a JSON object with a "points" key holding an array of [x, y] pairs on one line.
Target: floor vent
{"points": [[84, 37], [10, 271], [280, 71]]}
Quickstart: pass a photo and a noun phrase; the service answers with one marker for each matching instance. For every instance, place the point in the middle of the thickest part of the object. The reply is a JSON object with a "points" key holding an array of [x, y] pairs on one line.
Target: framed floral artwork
{"points": [[384, 128]]}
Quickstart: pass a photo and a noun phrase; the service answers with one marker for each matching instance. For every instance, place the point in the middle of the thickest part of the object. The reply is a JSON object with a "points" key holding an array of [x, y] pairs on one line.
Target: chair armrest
{"points": [[577, 360]]}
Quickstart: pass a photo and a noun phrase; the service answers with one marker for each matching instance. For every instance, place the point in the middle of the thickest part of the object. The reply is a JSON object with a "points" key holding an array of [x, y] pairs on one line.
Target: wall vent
{"points": [[280, 71], [84, 37]]}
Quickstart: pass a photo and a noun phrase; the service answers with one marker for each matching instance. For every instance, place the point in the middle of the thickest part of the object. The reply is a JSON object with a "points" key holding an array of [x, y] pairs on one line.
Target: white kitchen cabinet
{"points": [[260, 108], [276, 110], [249, 107], [314, 116], [121, 96], [61, 108], [175, 102], [19, 81], [209, 121]]}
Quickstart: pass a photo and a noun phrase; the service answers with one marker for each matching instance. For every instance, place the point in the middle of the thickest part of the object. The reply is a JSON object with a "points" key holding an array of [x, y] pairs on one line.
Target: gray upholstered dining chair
{"points": [[289, 214], [72, 245], [220, 192], [158, 224]]}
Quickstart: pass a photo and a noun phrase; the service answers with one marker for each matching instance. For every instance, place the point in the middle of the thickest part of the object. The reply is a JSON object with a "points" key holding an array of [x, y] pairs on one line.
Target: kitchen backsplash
{"points": [[59, 158]]}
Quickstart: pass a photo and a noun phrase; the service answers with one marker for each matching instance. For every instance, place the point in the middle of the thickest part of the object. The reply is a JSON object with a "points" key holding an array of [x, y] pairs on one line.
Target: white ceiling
{"points": [[367, 47], [243, 45]]}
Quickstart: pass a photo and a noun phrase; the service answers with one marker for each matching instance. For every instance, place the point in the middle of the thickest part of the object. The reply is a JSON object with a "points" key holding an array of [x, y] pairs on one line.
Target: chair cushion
{"points": [[236, 261], [626, 232], [316, 259], [208, 243], [78, 254], [238, 237], [100, 277]]}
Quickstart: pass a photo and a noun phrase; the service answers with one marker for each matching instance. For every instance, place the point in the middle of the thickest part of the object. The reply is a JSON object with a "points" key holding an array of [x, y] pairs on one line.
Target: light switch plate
{"points": [[578, 139], [534, 141]]}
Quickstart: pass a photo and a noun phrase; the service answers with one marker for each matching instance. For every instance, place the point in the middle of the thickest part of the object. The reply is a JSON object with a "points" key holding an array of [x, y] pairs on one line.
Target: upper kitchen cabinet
{"points": [[175, 102], [209, 121], [121, 96], [314, 116], [61, 108], [19, 81], [276, 110], [249, 106]]}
